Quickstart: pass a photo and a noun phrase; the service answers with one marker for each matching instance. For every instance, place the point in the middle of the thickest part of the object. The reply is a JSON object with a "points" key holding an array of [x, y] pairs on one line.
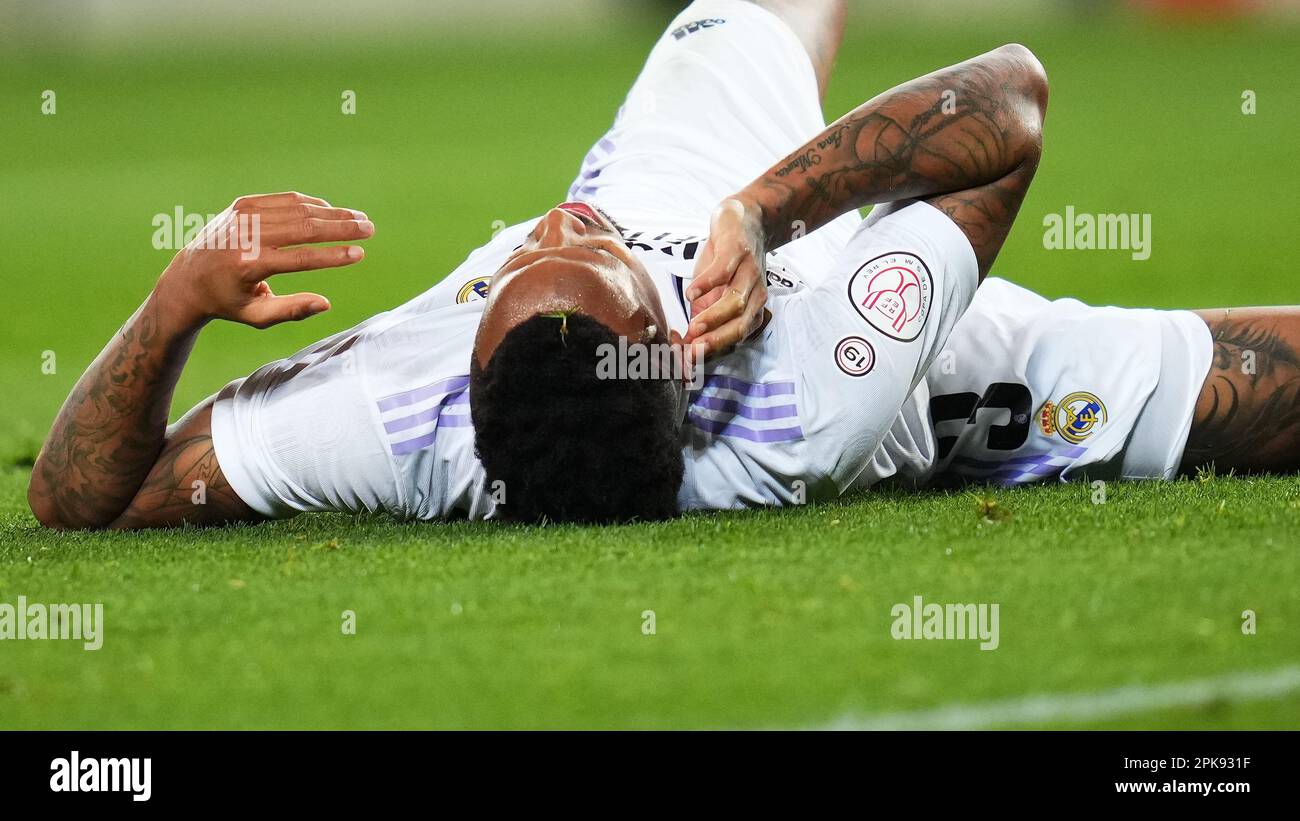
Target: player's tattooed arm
{"points": [[186, 484], [111, 426], [949, 135], [109, 434], [967, 138], [1248, 412]]}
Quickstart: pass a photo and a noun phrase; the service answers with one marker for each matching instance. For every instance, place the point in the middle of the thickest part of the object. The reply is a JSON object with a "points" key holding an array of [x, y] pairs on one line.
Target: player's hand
{"points": [[729, 290], [222, 272]]}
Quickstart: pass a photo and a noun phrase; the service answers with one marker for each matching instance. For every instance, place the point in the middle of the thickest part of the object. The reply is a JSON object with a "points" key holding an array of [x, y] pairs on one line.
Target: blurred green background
{"points": [[472, 113]]}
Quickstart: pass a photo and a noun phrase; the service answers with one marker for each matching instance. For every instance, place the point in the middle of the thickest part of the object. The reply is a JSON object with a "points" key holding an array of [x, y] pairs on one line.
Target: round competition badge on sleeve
{"points": [[893, 293], [855, 356]]}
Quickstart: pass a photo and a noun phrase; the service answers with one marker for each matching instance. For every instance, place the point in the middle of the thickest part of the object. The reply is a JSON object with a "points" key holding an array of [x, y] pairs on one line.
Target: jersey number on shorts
{"points": [[1008, 396]]}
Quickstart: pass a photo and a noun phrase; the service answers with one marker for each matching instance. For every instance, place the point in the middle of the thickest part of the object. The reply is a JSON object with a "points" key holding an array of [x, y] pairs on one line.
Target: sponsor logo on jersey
{"points": [[1078, 415], [474, 290], [691, 28], [778, 279], [855, 356], [893, 293]]}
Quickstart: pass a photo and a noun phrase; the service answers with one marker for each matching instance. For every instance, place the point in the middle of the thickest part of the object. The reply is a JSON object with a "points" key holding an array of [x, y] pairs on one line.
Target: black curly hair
{"points": [[568, 445]]}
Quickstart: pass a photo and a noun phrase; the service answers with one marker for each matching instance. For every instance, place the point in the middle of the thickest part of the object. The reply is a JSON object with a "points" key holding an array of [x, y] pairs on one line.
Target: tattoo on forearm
{"points": [[964, 136], [112, 425]]}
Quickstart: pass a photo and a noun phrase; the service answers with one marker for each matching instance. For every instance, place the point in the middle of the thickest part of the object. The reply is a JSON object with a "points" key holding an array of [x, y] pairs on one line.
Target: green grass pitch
{"points": [[763, 619]]}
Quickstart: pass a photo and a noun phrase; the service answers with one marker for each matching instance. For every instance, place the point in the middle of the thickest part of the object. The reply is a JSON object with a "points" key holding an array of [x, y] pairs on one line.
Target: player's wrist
{"points": [[178, 304], [764, 212]]}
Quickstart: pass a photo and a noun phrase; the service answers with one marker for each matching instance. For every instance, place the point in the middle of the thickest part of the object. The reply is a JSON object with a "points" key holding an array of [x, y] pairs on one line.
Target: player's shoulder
{"points": [[468, 282]]}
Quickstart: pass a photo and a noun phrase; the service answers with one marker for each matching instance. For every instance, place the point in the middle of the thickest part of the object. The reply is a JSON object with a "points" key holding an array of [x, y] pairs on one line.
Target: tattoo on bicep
{"points": [[956, 144], [186, 485], [1250, 405], [985, 214]]}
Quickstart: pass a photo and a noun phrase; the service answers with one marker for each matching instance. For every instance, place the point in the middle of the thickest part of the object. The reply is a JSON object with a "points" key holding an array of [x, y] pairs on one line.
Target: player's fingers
{"points": [[704, 258], [719, 272], [299, 230], [249, 201], [743, 294], [705, 302], [306, 210], [288, 260], [268, 310], [728, 306], [724, 339], [717, 269]]}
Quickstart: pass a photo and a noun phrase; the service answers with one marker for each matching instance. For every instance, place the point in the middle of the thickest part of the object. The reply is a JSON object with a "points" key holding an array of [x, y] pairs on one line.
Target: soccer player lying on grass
{"points": [[460, 405]]}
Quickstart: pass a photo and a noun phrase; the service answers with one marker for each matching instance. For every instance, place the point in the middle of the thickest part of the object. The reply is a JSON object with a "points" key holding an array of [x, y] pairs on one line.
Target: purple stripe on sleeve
{"points": [[731, 406], [413, 421], [412, 445], [750, 388], [411, 397], [437, 412], [742, 432]]}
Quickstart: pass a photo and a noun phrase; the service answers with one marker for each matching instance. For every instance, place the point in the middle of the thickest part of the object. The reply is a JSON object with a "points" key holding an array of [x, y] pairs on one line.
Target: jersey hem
{"points": [[226, 444]]}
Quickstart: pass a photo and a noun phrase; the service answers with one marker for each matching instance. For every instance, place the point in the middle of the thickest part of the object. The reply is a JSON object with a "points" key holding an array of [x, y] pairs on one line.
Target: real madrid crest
{"points": [[475, 289], [1075, 417]]}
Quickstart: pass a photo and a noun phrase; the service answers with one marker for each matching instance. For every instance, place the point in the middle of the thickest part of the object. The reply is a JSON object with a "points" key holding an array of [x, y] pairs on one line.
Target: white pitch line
{"points": [[1076, 707]]}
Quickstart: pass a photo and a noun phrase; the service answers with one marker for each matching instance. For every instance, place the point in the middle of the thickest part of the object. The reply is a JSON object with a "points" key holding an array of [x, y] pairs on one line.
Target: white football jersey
{"points": [[378, 417], [828, 397]]}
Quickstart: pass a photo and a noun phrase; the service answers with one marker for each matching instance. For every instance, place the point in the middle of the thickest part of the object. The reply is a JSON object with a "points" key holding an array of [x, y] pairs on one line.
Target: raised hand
{"points": [[222, 273]]}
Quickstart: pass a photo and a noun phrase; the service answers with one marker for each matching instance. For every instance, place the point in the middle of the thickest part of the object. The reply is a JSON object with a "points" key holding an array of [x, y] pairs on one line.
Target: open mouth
{"points": [[582, 211]]}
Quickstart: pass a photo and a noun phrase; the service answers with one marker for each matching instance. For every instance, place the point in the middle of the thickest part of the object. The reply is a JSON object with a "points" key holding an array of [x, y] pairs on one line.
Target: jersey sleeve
{"points": [[301, 435], [865, 335], [373, 418]]}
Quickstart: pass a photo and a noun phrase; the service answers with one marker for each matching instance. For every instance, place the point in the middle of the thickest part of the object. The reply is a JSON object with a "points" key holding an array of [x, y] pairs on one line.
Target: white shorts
{"points": [[1030, 390], [726, 92]]}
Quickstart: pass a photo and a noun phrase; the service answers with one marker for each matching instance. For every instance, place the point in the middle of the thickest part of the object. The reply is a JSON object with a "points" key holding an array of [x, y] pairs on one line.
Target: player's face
{"points": [[574, 260]]}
